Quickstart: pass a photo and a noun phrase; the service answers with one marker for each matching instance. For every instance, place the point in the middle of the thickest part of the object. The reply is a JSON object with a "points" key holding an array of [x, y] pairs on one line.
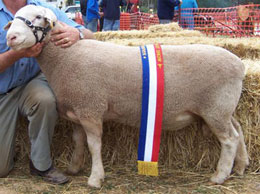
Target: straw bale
{"points": [[171, 34], [156, 31], [172, 27], [187, 148]]}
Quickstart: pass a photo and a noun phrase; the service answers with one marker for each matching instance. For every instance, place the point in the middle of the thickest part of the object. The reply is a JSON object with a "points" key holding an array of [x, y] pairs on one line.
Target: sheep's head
{"points": [[30, 25]]}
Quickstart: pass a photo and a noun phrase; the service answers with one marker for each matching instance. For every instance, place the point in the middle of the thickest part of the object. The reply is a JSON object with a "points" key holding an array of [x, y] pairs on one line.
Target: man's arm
{"points": [[88, 34], [9, 57]]}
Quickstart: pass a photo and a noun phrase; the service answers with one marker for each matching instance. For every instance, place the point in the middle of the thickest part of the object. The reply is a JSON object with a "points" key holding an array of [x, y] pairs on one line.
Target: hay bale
{"points": [[171, 34], [172, 27], [156, 31]]}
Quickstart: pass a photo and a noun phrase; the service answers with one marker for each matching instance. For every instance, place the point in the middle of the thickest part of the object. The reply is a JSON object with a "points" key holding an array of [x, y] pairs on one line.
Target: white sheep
{"points": [[96, 81]]}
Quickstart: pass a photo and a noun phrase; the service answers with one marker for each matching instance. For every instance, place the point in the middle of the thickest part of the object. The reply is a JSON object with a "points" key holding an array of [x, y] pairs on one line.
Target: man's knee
{"points": [[43, 103], [47, 100]]}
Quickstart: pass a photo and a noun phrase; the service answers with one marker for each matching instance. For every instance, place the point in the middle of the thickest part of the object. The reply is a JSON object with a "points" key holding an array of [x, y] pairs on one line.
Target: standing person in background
{"points": [[83, 10], [129, 5], [90, 14], [135, 6], [132, 6], [111, 14], [101, 14], [187, 9], [165, 10]]}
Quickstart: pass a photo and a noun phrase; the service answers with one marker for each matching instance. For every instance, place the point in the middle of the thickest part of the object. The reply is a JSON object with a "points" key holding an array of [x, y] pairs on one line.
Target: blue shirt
{"points": [[187, 7], [189, 4], [165, 9], [92, 10], [112, 8], [24, 69]]}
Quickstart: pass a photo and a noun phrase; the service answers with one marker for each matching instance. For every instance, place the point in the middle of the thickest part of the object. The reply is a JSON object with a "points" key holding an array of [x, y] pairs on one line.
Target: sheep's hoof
{"points": [[94, 182], [216, 179], [72, 170], [240, 167]]}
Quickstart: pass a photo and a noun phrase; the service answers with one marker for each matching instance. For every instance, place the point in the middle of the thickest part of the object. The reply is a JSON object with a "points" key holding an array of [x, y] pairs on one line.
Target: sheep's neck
{"points": [[52, 58], [48, 36], [49, 55]]}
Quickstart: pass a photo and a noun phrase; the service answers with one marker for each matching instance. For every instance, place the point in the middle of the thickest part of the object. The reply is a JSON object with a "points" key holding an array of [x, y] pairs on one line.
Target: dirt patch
{"points": [[124, 179]]}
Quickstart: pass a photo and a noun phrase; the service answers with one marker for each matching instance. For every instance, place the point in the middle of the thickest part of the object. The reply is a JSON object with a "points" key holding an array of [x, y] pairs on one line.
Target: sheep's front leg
{"points": [[93, 129], [77, 161]]}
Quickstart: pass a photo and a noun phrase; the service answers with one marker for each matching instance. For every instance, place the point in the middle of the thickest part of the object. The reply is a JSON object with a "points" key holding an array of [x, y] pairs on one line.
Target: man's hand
{"points": [[9, 57], [64, 36], [101, 14], [33, 51]]}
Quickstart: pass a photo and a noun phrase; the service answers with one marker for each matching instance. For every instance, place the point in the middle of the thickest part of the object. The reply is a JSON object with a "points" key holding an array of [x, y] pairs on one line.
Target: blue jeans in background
{"points": [[165, 21], [111, 25], [92, 25]]}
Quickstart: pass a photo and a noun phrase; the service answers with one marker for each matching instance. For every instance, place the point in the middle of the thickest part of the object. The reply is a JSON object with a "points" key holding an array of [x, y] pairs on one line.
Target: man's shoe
{"points": [[51, 175]]}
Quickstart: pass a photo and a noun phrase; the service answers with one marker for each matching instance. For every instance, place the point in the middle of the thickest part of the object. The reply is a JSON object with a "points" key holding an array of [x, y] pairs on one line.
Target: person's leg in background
{"points": [[190, 22], [116, 25], [107, 26], [92, 25], [165, 21], [84, 18], [101, 22]]}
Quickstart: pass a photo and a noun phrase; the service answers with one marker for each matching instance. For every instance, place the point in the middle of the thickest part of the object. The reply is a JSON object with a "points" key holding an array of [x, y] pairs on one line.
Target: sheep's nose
{"points": [[11, 37]]}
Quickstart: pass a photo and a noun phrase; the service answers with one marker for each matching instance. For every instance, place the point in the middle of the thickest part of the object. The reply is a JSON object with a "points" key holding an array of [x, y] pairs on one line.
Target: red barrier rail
{"points": [[239, 21], [243, 20]]}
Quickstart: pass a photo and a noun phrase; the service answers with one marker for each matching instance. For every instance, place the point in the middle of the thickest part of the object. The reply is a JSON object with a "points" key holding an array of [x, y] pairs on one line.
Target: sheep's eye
{"points": [[38, 17]]}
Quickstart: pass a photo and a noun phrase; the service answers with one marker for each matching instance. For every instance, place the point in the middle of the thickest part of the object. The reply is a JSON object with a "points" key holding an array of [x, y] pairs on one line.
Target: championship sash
{"points": [[152, 109]]}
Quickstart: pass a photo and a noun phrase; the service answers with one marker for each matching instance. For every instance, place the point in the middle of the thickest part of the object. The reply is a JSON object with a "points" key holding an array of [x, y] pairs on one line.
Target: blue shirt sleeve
{"points": [[195, 5]]}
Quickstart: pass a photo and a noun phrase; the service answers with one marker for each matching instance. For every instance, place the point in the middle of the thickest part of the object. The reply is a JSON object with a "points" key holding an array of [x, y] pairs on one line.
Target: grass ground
{"points": [[124, 179]]}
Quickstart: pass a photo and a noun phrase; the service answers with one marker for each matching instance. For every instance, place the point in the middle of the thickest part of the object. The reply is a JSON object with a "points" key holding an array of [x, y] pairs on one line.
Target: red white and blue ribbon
{"points": [[152, 109]]}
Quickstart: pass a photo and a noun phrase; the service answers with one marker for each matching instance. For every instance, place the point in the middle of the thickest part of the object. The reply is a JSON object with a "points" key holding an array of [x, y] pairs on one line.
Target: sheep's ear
{"points": [[50, 17], [7, 26]]}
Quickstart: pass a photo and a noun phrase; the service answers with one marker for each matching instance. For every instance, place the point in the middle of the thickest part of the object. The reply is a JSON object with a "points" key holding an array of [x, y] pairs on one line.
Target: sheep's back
{"points": [[98, 77]]}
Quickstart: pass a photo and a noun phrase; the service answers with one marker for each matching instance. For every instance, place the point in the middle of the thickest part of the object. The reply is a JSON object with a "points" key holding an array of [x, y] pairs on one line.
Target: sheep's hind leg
{"points": [[241, 159], [77, 161], [93, 129], [229, 138]]}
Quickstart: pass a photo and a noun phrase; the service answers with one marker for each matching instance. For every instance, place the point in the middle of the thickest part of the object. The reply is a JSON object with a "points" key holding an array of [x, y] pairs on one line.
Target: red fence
{"points": [[239, 21], [137, 21], [243, 20]]}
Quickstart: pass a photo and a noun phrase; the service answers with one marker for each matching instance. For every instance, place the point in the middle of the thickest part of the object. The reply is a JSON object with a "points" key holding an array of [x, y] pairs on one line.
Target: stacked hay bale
{"points": [[181, 149]]}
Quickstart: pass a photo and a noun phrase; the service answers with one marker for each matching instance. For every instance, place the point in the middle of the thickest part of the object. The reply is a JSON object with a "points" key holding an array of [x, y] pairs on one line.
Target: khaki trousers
{"points": [[37, 103]]}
